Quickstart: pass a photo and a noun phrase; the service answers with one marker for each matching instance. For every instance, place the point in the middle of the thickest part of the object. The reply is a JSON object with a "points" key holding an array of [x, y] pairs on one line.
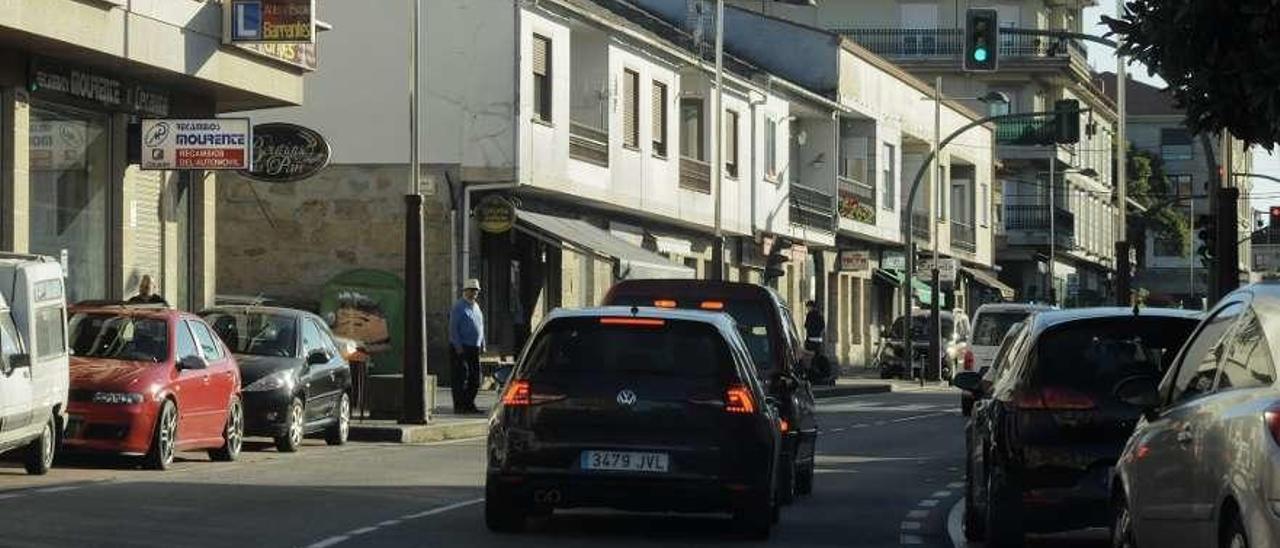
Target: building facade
{"points": [[74, 78]]}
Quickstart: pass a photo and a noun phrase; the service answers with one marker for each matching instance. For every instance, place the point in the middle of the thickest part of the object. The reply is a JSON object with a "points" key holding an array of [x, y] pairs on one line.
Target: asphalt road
{"points": [[889, 474]]}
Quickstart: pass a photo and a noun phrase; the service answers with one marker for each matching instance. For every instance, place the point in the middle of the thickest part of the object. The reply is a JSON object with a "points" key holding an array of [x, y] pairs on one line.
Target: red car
{"points": [[151, 381]]}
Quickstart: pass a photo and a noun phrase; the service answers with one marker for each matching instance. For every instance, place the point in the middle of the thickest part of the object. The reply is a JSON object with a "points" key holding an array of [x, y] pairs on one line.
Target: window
{"points": [[582, 350], [51, 335], [1091, 357], [186, 343], [9, 344], [115, 337], [312, 341], [890, 172], [1180, 185], [1175, 144], [1199, 367], [659, 114], [256, 333], [991, 327], [691, 123], [731, 143], [1247, 363], [541, 78], [984, 204], [1166, 246], [630, 109], [771, 148], [208, 346]]}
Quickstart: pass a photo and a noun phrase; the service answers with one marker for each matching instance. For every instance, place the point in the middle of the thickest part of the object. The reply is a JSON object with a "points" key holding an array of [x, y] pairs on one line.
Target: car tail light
{"points": [[784, 426], [738, 400], [665, 303], [968, 360], [1272, 417], [712, 305], [1054, 399], [520, 394]]}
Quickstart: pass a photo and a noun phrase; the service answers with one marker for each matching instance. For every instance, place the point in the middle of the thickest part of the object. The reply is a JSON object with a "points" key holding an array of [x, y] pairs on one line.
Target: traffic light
{"points": [[1066, 121], [1207, 234], [1275, 217], [773, 263], [981, 44]]}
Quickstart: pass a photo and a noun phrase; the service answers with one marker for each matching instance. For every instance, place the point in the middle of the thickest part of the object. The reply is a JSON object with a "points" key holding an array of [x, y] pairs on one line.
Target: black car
{"points": [[636, 409], [891, 358], [1048, 426], [295, 381], [769, 330]]}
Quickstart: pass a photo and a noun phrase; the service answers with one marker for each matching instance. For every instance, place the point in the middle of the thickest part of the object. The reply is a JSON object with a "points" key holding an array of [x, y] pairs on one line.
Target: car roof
{"points": [[257, 309], [154, 311], [719, 319], [1013, 307], [702, 289], [1053, 318]]}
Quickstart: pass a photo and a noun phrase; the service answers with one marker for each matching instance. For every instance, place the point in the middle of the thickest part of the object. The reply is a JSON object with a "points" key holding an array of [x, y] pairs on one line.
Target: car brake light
{"points": [[968, 360], [1054, 399], [738, 400], [712, 305], [664, 303], [520, 394], [784, 426], [634, 322], [1272, 417]]}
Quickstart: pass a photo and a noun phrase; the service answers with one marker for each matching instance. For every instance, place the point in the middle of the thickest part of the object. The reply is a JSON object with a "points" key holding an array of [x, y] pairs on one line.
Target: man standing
{"points": [[815, 327], [466, 337], [145, 295]]}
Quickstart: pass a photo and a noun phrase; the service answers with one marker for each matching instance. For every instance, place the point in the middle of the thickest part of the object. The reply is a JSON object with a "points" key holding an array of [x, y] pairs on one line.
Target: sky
{"points": [[1103, 59]]}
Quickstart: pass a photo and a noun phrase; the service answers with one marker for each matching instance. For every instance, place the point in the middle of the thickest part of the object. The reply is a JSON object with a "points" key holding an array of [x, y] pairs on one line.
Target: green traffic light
{"points": [[980, 55]]}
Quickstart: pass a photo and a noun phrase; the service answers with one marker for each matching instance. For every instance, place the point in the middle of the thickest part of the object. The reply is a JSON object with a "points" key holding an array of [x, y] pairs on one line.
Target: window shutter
{"points": [[659, 112], [541, 56], [631, 108]]}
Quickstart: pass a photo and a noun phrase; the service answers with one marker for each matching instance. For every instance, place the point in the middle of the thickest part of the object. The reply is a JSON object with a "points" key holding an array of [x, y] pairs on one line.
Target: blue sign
{"points": [[246, 20]]}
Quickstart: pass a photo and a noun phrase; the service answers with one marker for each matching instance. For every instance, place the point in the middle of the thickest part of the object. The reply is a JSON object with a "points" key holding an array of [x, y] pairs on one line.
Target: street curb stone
{"points": [[822, 392], [425, 433]]}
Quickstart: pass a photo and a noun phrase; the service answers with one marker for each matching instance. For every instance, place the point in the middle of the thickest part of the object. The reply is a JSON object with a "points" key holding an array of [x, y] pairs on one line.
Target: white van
{"points": [[990, 323], [34, 365]]}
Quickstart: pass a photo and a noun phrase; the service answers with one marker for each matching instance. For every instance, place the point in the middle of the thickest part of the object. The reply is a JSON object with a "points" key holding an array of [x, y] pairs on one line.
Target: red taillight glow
{"points": [[712, 305], [664, 303], [1272, 417], [1054, 399], [738, 400], [517, 394], [784, 426], [633, 322], [968, 360]]}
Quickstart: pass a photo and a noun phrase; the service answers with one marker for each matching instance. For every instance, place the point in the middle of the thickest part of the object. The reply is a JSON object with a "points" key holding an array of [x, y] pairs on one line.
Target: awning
{"points": [[985, 278], [923, 290], [634, 262]]}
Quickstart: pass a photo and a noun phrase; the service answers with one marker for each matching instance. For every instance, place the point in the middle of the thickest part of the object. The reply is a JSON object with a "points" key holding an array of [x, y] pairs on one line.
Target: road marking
{"points": [[955, 485], [910, 526], [389, 523], [338, 539], [941, 494], [4, 496], [326, 543], [443, 509], [928, 503], [911, 540], [363, 530], [955, 528], [58, 489], [917, 514]]}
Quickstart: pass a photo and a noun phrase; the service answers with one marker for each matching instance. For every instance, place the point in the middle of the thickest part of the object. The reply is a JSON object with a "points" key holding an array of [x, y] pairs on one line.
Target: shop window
{"points": [[70, 195]]}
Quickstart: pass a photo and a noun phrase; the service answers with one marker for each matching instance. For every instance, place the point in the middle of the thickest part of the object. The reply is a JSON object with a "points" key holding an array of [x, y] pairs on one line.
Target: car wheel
{"points": [[501, 514], [974, 521], [1233, 534], [39, 455], [232, 434], [295, 423], [1122, 524], [165, 438], [787, 482], [804, 481], [755, 519], [341, 428], [966, 407], [1003, 514]]}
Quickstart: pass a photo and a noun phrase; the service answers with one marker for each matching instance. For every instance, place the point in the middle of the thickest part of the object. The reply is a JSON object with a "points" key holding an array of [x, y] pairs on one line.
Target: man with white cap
{"points": [[466, 337]]}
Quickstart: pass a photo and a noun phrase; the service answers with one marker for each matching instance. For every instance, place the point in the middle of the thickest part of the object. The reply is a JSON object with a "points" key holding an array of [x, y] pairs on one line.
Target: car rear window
{"points": [[992, 326], [255, 333], [1094, 356], [753, 318], [590, 348], [920, 327]]}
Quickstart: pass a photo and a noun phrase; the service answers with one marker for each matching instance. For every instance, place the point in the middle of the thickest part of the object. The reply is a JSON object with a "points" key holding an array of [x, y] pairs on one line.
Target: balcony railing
{"points": [[920, 225], [947, 44], [1033, 130], [1036, 218], [964, 237], [812, 208], [589, 144], [695, 175], [857, 201]]}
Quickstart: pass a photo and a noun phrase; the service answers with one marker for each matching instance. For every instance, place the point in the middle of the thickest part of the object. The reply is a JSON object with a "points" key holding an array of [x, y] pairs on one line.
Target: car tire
{"points": [[787, 477], [966, 407], [755, 520], [1122, 535], [804, 481], [39, 453], [1233, 534], [974, 521], [232, 434], [164, 440], [501, 514], [1003, 513], [295, 427], [341, 428]]}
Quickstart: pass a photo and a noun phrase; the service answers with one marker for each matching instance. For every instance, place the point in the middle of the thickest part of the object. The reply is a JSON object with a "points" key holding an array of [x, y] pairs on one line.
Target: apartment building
{"points": [[924, 38]]}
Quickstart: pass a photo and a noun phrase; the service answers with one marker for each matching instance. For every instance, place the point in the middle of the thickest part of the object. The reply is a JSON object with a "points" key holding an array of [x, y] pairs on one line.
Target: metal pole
{"points": [[1122, 147], [935, 319], [415, 409], [1191, 250], [1052, 288], [717, 181]]}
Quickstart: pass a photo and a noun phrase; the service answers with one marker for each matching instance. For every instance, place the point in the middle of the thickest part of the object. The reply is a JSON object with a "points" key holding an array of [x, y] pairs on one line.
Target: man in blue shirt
{"points": [[466, 338]]}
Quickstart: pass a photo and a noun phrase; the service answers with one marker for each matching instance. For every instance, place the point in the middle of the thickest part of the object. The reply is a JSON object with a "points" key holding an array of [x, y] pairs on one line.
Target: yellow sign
{"points": [[495, 214]]}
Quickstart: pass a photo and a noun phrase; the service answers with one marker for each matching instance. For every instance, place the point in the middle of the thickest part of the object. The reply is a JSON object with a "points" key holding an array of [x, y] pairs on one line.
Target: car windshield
{"points": [[119, 337], [586, 348], [256, 333], [1093, 356], [992, 326], [919, 327]]}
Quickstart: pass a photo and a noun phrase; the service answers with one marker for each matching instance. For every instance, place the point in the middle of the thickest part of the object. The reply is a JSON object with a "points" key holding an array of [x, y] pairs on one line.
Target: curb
{"points": [[824, 392], [399, 433]]}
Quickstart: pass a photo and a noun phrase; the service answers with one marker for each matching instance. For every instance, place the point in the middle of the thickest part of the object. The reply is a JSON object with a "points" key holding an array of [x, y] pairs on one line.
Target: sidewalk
{"points": [[443, 425]]}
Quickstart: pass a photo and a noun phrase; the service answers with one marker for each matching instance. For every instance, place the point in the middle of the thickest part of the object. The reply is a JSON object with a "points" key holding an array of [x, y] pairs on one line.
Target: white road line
{"points": [[910, 526], [928, 503], [362, 530], [338, 539], [911, 540], [4, 496], [58, 489], [941, 494], [326, 543], [389, 523], [443, 509], [917, 514], [955, 528], [955, 485]]}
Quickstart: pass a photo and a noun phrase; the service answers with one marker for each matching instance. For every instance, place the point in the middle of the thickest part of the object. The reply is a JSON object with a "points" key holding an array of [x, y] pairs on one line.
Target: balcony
{"points": [[964, 237], [1029, 225], [857, 201], [1037, 130], [695, 175], [589, 144], [947, 44], [920, 225], [812, 208]]}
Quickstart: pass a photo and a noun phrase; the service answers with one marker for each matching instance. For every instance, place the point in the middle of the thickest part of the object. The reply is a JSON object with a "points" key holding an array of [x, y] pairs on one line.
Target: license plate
{"points": [[625, 461]]}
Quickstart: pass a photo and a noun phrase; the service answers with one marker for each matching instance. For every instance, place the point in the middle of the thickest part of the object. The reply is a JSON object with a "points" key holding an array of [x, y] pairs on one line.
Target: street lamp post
{"points": [[415, 409], [717, 249]]}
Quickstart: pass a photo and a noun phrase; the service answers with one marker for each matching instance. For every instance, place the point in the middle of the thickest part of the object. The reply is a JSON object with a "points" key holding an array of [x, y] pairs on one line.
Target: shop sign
{"points": [[302, 56], [214, 143], [58, 145], [283, 153], [269, 21], [893, 261], [855, 261], [946, 269], [108, 92], [495, 214]]}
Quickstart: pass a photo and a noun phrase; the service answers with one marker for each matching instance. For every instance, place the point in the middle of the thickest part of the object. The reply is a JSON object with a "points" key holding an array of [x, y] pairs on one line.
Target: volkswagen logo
{"points": [[626, 398]]}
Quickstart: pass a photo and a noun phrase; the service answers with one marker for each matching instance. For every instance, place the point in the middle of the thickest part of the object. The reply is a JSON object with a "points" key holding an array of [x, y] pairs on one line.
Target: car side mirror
{"points": [[1140, 391], [19, 360], [317, 358], [968, 381], [193, 363]]}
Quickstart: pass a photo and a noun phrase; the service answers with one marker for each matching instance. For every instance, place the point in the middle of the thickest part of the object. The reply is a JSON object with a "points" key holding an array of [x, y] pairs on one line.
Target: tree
{"points": [[1151, 188], [1220, 58]]}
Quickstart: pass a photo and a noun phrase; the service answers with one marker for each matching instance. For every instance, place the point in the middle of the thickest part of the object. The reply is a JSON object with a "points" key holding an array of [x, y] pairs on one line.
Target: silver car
{"points": [[1203, 466]]}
